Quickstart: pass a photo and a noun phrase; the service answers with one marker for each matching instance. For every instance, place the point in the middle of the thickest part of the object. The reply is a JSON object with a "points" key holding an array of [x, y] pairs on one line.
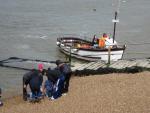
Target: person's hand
{"points": [[24, 86]]}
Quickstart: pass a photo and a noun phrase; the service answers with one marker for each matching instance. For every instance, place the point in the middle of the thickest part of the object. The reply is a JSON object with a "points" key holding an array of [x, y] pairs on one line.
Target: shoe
{"points": [[64, 94], [1, 104], [41, 97], [52, 98]]}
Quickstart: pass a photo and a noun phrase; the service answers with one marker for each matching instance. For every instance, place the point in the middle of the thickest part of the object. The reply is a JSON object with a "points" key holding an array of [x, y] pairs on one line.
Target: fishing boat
{"points": [[83, 49]]}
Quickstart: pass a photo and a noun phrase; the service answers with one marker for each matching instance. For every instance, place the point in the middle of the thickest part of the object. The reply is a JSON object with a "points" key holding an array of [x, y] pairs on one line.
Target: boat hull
{"points": [[91, 53]]}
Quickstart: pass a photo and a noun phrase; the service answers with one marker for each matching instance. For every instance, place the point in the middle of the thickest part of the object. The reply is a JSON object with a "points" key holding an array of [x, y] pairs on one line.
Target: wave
{"points": [[22, 46], [36, 37]]}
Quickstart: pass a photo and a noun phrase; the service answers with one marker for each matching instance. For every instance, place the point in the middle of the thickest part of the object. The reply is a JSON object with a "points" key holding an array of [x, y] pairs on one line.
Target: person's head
{"points": [[47, 71], [44, 71], [104, 35], [40, 67], [58, 62]]}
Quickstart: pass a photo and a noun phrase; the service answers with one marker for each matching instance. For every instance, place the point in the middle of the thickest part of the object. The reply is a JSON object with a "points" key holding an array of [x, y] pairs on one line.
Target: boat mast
{"points": [[115, 21]]}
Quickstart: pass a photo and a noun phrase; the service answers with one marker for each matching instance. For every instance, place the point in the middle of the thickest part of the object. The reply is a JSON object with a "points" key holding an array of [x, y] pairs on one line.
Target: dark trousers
{"points": [[49, 88], [58, 87], [66, 82], [36, 92]]}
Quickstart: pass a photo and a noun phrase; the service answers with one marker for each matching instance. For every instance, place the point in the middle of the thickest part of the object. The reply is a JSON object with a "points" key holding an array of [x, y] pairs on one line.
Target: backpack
{"points": [[66, 69]]}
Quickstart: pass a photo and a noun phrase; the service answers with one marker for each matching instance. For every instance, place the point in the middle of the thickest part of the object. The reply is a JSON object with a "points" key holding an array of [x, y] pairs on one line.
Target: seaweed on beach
{"points": [[108, 70]]}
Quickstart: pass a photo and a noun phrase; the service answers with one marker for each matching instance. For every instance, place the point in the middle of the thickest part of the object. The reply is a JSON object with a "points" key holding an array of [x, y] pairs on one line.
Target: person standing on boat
{"points": [[102, 40], [106, 42], [66, 71], [34, 78], [94, 40], [109, 43]]}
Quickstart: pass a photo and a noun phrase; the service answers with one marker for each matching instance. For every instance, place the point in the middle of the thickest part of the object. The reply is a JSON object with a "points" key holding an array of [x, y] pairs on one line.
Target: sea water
{"points": [[29, 29]]}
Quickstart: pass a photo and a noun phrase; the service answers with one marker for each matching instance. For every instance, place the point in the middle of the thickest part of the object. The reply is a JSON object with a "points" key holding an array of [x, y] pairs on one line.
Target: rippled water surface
{"points": [[29, 28]]}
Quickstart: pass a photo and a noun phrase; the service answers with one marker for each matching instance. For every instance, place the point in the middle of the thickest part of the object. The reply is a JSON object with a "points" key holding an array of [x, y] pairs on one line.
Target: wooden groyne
{"points": [[83, 69], [120, 66]]}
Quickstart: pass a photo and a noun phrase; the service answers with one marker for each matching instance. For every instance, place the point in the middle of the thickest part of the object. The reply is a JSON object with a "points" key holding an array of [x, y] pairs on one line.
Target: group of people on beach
{"points": [[56, 84]]}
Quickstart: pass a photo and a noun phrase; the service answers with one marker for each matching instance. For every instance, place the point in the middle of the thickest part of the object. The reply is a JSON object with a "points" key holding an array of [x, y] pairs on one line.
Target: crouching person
{"points": [[34, 78], [1, 103], [54, 84]]}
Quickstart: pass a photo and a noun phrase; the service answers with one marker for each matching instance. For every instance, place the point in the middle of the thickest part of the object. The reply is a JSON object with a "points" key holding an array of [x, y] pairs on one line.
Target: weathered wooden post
{"points": [[70, 56], [115, 20], [109, 55]]}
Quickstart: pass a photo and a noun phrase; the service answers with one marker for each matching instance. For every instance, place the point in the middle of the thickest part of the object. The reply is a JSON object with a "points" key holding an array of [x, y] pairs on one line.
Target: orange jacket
{"points": [[101, 42]]}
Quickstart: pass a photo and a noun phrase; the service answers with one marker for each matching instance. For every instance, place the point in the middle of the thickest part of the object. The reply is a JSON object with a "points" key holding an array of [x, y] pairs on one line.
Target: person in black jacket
{"points": [[34, 78], [52, 77], [54, 84], [66, 71]]}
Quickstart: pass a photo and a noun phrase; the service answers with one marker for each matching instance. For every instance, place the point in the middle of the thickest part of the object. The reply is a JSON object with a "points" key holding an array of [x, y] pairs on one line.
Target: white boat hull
{"points": [[92, 54]]}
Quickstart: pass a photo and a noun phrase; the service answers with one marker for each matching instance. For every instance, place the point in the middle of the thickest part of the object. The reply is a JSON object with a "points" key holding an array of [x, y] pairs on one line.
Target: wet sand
{"points": [[111, 93]]}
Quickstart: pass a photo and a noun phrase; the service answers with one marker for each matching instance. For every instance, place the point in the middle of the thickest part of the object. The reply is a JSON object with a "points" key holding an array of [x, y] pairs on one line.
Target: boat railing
{"points": [[76, 36], [76, 46], [74, 39]]}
